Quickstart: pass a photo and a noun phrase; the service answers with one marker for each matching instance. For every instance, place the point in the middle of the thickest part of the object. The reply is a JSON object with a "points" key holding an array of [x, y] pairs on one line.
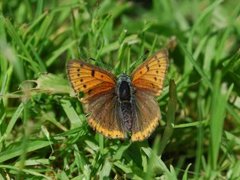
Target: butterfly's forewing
{"points": [[99, 100], [147, 81], [150, 75], [147, 116], [89, 79]]}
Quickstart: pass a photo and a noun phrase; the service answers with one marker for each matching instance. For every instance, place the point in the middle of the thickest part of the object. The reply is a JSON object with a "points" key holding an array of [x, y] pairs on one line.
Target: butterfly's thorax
{"points": [[125, 94], [124, 91]]}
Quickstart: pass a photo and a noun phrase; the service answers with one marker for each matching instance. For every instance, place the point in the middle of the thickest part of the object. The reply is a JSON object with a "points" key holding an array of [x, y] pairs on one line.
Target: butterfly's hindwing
{"points": [[147, 116], [104, 116]]}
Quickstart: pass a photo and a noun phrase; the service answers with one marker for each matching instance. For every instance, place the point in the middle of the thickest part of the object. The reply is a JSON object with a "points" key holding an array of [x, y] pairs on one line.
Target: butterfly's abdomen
{"points": [[126, 115]]}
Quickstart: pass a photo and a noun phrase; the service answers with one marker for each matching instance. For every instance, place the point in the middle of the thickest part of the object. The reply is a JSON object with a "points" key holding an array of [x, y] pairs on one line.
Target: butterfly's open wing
{"points": [[150, 75], [147, 81], [89, 79], [99, 99], [104, 117], [147, 116]]}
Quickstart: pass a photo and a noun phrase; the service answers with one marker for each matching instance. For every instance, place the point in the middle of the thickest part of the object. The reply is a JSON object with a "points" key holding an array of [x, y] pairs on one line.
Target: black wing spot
{"points": [[81, 64], [155, 78], [157, 71], [84, 86], [78, 74], [147, 67], [101, 76], [140, 72], [89, 91], [81, 80], [159, 65], [78, 70], [93, 73]]}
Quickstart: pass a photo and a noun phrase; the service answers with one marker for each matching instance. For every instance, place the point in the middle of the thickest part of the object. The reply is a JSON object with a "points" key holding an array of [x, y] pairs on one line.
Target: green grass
{"points": [[43, 129]]}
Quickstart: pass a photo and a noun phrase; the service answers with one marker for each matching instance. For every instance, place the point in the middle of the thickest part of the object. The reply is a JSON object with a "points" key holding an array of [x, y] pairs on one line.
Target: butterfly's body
{"points": [[123, 105], [126, 101]]}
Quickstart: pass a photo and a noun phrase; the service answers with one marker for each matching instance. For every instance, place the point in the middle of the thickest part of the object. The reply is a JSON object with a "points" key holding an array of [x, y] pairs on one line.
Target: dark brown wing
{"points": [[147, 116], [103, 116]]}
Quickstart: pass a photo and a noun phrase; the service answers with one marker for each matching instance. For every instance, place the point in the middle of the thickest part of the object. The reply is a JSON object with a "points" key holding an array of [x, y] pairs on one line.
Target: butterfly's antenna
{"points": [[92, 59], [138, 62], [146, 52]]}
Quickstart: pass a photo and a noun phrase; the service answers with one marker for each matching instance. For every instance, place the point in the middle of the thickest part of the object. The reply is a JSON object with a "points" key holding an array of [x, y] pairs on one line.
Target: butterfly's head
{"points": [[123, 77]]}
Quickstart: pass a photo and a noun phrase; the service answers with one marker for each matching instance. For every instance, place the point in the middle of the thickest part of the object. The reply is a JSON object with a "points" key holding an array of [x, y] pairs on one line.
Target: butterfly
{"points": [[123, 106]]}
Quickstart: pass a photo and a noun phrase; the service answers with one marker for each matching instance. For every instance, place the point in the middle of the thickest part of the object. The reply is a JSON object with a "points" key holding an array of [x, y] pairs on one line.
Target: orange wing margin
{"points": [[150, 75], [89, 79]]}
